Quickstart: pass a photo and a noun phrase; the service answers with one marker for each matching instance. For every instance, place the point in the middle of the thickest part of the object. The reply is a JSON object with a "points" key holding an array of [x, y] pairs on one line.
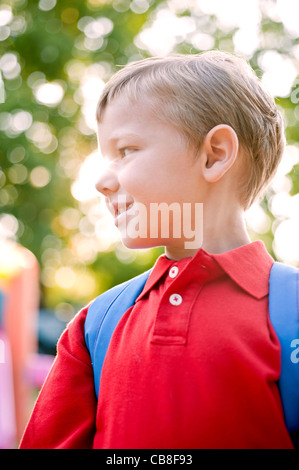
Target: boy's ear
{"points": [[219, 151]]}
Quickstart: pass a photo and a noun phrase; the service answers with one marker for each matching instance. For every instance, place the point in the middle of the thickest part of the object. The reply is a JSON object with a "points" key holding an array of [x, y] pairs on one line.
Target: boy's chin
{"points": [[139, 243]]}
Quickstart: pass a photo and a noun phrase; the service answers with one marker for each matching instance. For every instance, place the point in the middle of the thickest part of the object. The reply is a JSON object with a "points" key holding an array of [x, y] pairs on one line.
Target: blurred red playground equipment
{"points": [[22, 369]]}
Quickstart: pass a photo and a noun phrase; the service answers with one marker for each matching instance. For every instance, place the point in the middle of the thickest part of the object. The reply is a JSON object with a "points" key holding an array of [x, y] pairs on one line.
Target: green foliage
{"points": [[44, 144]]}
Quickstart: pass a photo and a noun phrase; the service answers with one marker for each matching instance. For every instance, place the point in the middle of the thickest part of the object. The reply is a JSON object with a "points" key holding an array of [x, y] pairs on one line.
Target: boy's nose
{"points": [[107, 183]]}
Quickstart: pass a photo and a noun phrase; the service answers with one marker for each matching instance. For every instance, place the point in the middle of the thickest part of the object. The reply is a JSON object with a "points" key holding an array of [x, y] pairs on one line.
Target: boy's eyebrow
{"points": [[124, 135]]}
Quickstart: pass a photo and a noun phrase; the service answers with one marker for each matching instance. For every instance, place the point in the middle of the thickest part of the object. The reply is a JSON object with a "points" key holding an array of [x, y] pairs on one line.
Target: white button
{"points": [[173, 271], [175, 299]]}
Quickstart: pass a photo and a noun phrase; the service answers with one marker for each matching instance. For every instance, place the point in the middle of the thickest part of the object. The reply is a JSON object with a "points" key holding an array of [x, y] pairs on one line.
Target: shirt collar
{"points": [[248, 266], [160, 267]]}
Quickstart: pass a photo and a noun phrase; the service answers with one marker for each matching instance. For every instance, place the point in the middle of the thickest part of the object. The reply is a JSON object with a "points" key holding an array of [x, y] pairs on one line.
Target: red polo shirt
{"points": [[193, 364]]}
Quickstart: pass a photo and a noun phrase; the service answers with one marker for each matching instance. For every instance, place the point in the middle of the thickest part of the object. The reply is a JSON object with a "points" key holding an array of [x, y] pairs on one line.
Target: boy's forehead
{"points": [[126, 101], [123, 118], [123, 110], [130, 121]]}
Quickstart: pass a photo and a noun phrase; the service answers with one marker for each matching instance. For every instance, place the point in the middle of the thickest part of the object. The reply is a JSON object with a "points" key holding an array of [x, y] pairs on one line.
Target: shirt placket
{"points": [[174, 310]]}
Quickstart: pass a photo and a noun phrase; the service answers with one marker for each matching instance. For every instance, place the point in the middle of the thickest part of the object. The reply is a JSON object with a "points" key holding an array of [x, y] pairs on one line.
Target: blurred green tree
{"points": [[54, 58]]}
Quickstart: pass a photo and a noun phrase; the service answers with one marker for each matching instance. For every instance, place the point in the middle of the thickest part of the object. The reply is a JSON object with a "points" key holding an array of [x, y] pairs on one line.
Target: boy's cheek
{"points": [[153, 221]]}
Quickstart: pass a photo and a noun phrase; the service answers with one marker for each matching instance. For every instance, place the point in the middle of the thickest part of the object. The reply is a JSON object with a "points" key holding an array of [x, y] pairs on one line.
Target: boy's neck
{"points": [[222, 232]]}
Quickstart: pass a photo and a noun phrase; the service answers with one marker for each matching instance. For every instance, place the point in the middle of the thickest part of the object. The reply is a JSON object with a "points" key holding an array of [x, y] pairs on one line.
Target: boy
{"points": [[194, 363]]}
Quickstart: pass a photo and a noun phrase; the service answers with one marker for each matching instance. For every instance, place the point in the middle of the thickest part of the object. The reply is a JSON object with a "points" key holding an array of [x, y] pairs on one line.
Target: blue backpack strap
{"points": [[104, 314], [284, 316]]}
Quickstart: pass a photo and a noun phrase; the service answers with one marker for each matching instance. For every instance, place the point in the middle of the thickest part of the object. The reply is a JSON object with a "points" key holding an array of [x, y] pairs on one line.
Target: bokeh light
{"points": [[49, 94], [50, 131]]}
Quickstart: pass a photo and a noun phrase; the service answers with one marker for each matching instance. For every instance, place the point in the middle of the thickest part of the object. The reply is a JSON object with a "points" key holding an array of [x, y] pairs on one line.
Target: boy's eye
{"points": [[125, 151]]}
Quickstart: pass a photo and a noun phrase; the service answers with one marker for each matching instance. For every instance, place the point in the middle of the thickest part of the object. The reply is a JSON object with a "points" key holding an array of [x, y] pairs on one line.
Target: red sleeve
{"points": [[65, 411]]}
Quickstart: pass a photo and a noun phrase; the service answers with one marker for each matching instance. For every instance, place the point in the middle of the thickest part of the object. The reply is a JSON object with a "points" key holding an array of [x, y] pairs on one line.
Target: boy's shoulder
{"points": [[89, 332], [99, 325], [127, 289]]}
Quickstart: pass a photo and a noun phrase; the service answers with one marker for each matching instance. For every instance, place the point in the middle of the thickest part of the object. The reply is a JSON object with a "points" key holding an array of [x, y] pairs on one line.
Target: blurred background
{"points": [[58, 245]]}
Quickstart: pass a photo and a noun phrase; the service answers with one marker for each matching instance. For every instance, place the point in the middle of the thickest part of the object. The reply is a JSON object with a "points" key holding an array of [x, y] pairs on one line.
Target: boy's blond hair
{"points": [[197, 92]]}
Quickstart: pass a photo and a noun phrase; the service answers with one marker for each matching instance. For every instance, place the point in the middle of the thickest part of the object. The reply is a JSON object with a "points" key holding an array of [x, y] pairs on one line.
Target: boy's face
{"points": [[149, 165]]}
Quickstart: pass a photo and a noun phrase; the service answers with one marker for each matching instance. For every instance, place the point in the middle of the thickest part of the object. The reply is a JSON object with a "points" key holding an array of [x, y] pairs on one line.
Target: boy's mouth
{"points": [[122, 209], [119, 208]]}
